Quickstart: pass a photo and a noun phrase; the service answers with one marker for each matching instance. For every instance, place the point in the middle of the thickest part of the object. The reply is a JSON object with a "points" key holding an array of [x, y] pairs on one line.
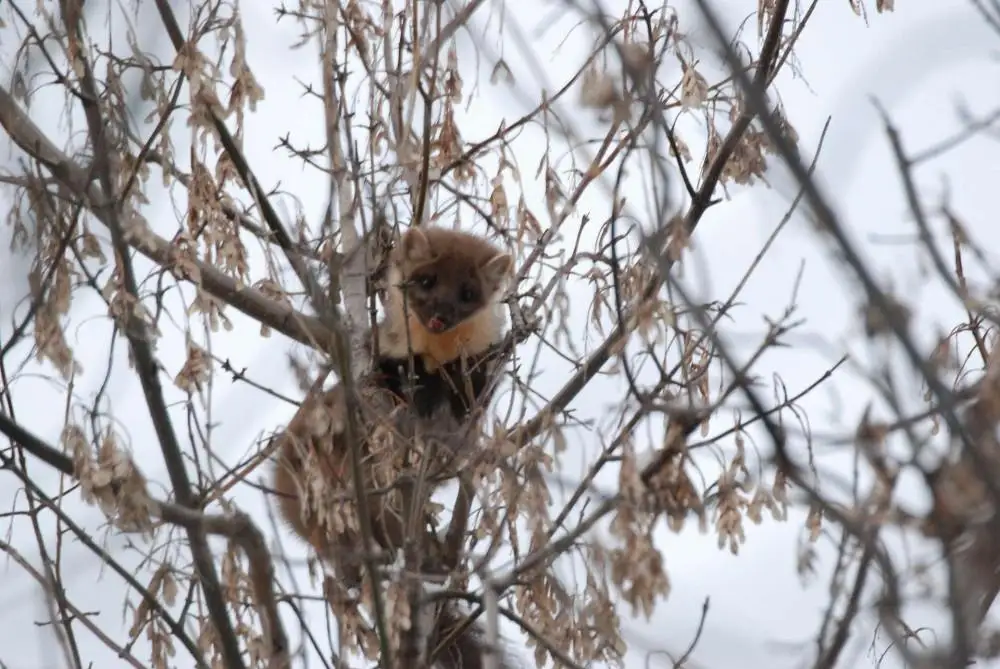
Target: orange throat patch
{"points": [[439, 348]]}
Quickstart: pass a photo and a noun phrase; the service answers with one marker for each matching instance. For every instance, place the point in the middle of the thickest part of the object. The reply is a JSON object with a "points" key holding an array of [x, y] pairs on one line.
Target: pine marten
{"points": [[443, 304]]}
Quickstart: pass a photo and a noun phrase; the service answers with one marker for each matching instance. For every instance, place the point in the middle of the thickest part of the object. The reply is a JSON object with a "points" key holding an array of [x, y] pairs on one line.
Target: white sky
{"points": [[919, 62]]}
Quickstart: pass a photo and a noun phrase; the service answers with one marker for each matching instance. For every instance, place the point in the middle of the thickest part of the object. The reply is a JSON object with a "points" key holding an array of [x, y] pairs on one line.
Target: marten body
{"points": [[442, 306], [460, 385]]}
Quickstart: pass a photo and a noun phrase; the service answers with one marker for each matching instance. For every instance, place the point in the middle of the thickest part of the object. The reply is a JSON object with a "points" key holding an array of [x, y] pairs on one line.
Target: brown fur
{"points": [[313, 442], [312, 476], [468, 274]]}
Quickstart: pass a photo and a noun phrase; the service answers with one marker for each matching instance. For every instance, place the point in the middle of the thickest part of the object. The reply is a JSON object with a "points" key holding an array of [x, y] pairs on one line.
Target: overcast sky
{"points": [[919, 62]]}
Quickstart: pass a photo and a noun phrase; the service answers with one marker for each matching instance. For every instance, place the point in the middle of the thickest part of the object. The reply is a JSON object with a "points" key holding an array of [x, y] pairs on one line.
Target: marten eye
{"points": [[468, 294], [425, 281]]}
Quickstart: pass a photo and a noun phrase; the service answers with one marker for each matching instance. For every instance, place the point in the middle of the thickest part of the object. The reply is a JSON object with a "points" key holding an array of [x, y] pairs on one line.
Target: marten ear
{"points": [[414, 246], [497, 269]]}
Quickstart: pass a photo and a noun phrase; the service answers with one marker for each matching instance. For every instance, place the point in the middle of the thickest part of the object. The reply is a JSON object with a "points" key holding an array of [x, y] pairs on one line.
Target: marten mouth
{"points": [[435, 324]]}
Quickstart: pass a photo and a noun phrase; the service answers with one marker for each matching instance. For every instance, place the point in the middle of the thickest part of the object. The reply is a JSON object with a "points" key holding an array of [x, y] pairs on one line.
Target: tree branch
{"points": [[238, 527], [308, 330], [139, 337]]}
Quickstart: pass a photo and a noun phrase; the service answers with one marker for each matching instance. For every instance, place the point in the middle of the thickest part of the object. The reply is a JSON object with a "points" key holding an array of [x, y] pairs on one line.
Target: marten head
{"points": [[447, 276]]}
